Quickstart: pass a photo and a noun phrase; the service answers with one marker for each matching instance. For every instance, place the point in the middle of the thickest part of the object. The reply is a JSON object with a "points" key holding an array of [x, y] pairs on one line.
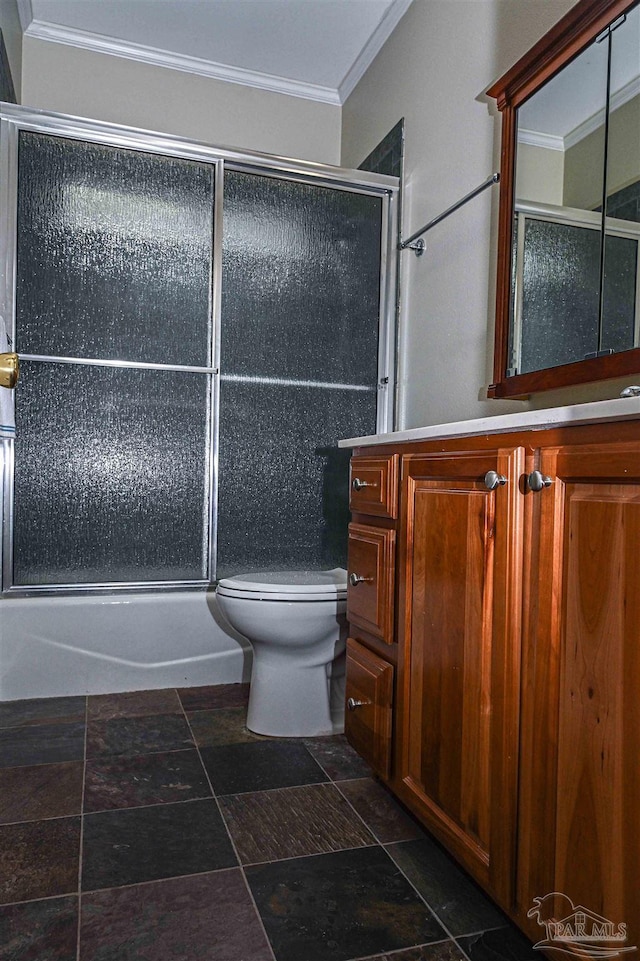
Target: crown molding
{"points": [[25, 12], [535, 138], [372, 48], [54, 33], [618, 99]]}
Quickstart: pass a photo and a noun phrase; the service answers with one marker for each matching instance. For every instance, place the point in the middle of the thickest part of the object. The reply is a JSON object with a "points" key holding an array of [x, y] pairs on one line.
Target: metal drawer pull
{"points": [[355, 579], [352, 704], [493, 479], [537, 481], [359, 485]]}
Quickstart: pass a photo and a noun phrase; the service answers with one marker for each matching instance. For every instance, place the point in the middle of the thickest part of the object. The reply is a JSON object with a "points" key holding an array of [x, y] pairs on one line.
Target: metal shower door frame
{"points": [[13, 120]]}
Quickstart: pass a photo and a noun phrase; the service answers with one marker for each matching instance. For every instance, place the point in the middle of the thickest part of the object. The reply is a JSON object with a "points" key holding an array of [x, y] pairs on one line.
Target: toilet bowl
{"points": [[295, 622]]}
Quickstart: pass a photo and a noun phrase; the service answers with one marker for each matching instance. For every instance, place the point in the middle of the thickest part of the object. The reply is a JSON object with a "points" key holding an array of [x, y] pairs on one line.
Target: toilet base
{"points": [[302, 702]]}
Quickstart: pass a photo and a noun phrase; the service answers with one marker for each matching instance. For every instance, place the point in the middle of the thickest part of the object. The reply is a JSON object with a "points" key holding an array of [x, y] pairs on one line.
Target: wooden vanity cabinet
{"points": [[459, 596], [579, 825], [515, 663]]}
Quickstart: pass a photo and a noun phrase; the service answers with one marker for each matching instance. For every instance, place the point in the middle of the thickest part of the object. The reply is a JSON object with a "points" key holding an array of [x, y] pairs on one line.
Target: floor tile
{"points": [[336, 756], [216, 696], [138, 735], [333, 907], [39, 859], [442, 951], [103, 707], [451, 894], [236, 768], [39, 930], [145, 844], [43, 791], [501, 944], [123, 782], [380, 811], [205, 917], [292, 822], [44, 710], [224, 726], [41, 744]]}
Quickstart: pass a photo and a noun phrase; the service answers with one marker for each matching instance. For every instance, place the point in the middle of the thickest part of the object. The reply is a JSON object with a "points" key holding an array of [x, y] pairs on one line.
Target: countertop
{"points": [[595, 413]]}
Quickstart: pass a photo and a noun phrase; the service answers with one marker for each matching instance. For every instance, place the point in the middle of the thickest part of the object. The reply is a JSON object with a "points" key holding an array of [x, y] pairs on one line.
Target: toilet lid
{"points": [[323, 585]]}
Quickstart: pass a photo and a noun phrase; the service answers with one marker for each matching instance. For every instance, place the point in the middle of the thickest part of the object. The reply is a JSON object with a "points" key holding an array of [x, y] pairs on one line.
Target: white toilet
{"points": [[295, 621]]}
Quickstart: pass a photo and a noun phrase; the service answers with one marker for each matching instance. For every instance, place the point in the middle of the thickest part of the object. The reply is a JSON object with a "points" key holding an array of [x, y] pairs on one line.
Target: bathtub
{"points": [[100, 644]]}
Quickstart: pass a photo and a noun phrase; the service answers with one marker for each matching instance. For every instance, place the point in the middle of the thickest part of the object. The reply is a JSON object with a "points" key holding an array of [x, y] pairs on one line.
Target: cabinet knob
{"points": [[352, 704], [355, 579], [493, 479], [359, 485], [537, 481]]}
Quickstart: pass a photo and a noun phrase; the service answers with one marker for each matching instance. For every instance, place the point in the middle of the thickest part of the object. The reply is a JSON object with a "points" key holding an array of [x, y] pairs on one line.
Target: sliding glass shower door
{"points": [[299, 367], [112, 476], [197, 328]]}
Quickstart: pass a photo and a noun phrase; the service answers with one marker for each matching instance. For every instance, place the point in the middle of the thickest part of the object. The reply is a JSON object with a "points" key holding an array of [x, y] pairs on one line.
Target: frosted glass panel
{"points": [[619, 293], [283, 483], [301, 277], [561, 294], [114, 253], [300, 309], [561, 291], [111, 476]]}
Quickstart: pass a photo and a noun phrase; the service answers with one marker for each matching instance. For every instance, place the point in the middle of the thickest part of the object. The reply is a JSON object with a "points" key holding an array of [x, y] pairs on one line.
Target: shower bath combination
{"points": [[196, 329]]}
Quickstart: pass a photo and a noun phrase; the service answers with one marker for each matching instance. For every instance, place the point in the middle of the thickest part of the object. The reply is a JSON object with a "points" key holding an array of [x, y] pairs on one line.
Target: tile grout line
{"points": [[84, 776], [226, 827]]}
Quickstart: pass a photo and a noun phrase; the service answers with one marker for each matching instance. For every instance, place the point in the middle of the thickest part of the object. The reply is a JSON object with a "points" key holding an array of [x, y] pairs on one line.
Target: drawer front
{"points": [[368, 716], [373, 485], [371, 579]]}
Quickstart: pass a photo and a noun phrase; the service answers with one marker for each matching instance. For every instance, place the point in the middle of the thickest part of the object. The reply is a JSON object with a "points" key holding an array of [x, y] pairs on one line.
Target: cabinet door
{"points": [[459, 658], [580, 802]]}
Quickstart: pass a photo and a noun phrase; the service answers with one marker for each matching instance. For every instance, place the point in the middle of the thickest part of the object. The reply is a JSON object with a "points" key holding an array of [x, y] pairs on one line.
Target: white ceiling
{"points": [[317, 49]]}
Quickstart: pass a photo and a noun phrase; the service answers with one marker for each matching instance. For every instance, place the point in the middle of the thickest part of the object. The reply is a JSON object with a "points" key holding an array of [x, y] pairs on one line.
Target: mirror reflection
{"points": [[575, 273]]}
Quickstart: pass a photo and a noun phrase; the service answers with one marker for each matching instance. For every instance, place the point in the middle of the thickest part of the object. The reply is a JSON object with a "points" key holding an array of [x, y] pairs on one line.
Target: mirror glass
{"points": [[575, 279], [559, 192], [620, 300]]}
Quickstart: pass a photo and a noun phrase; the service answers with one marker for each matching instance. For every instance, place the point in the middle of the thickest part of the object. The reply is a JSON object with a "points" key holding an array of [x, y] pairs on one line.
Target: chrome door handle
{"points": [[537, 481], [493, 479], [355, 579], [359, 485], [9, 370]]}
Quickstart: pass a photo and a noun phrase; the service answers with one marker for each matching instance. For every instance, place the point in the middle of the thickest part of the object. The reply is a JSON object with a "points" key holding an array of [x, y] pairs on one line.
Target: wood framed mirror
{"points": [[568, 284]]}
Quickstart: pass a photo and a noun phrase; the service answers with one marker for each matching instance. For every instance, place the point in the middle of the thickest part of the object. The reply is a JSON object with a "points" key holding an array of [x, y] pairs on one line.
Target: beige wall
{"points": [[87, 84], [433, 71], [540, 174], [584, 161]]}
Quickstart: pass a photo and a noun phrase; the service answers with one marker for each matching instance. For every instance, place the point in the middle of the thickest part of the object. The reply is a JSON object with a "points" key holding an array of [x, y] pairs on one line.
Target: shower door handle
{"points": [[9, 370]]}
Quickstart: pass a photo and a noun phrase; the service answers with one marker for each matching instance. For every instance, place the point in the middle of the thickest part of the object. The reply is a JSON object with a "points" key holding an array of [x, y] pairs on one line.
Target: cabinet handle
{"points": [[359, 485], [352, 704], [493, 479], [355, 579], [537, 481]]}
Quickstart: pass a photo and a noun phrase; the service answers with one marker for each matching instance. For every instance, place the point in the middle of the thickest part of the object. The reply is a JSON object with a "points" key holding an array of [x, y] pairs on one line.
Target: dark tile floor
{"points": [[154, 827]]}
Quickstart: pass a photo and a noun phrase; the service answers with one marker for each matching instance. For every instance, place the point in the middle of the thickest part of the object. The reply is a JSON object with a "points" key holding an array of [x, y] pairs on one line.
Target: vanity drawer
{"points": [[368, 714], [371, 579], [373, 485]]}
